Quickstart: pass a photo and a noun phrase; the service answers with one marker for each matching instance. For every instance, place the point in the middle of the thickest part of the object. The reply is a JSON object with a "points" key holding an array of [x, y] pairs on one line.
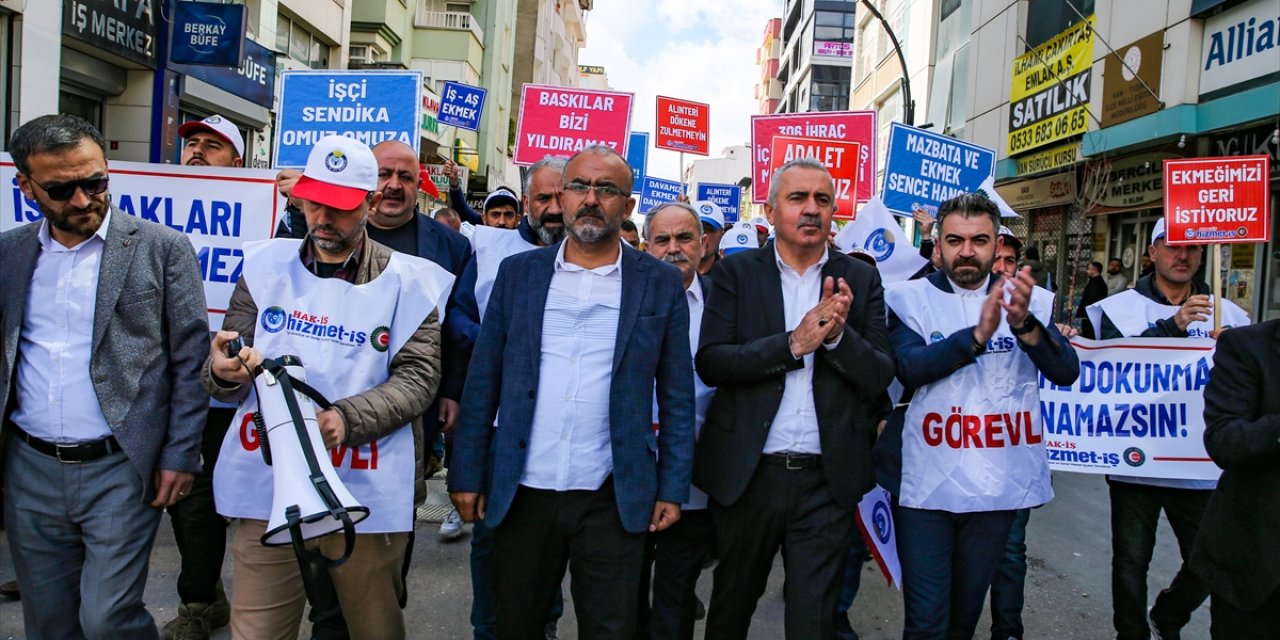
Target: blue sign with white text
{"points": [[253, 77], [656, 191], [638, 156], [205, 33], [461, 105], [923, 169], [371, 106], [728, 196]]}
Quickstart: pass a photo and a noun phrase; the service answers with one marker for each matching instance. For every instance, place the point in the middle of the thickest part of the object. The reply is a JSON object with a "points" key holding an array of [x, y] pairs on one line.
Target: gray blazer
{"points": [[150, 337]]}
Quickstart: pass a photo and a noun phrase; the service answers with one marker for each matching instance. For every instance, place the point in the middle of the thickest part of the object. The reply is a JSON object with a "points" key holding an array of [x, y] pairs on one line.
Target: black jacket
{"points": [[1237, 550], [745, 354]]}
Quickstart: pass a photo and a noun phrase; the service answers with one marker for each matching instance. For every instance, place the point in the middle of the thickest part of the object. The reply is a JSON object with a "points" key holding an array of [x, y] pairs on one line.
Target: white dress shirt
{"points": [[795, 426], [702, 394], [56, 399], [570, 447]]}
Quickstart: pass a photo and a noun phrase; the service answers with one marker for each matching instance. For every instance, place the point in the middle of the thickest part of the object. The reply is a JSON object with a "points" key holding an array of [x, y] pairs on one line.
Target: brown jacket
{"points": [[414, 374]]}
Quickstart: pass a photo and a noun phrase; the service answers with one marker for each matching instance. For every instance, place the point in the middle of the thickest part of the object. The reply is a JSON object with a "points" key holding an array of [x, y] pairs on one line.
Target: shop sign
{"points": [[1258, 141], [837, 49], [124, 27], [1241, 43], [1131, 80], [1129, 182], [205, 33], [253, 79], [1049, 100], [1039, 192], [1052, 158], [430, 110]]}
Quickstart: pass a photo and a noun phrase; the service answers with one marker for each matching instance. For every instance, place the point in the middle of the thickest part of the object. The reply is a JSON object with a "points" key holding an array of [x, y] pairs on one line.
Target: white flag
{"points": [[877, 232], [875, 521], [989, 188]]}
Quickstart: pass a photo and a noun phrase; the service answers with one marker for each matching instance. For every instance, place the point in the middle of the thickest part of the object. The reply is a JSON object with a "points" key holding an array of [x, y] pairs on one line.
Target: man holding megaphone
{"points": [[339, 318]]}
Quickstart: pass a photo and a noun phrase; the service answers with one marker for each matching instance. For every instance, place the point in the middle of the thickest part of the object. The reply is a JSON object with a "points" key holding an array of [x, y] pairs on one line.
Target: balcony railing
{"points": [[451, 20]]}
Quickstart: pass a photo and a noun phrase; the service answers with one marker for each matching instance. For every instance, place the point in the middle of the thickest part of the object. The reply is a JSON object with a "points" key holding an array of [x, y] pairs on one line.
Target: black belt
{"points": [[68, 453], [793, 461]]}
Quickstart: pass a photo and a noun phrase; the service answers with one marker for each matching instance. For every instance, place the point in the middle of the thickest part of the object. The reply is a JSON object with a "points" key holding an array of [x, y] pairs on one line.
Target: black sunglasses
{"points": [[66, 191]]}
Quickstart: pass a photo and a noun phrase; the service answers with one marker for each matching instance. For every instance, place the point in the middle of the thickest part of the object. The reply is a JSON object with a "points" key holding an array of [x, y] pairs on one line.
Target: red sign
{"points": [[560, 121], [1217, 200], [848, 126], [842, 160], [683, 126]]}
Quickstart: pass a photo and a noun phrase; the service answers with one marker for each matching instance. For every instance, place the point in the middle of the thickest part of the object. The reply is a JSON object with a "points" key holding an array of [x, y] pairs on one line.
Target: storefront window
{"points": [[85, 106]]}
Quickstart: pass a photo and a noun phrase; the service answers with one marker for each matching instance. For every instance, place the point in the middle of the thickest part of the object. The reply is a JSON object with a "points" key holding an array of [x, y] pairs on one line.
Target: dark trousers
{"points": [[678, 554], [948, 563], [1135, 514], [1009, 585], [484, 619], [791, 510], [198, 530], [858, 555], [545, 531], [1231, 623]]}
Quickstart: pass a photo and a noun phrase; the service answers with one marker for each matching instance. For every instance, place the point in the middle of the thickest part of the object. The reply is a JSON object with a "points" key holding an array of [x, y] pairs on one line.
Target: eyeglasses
{"points": [[67, 190], [603, 191]]}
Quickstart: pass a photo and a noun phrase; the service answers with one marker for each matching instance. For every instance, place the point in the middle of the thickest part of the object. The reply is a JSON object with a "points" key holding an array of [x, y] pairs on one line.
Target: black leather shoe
{"points": [[10, 590]]}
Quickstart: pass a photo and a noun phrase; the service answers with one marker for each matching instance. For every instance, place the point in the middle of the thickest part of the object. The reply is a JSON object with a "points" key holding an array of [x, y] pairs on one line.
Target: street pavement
{"points": [[1068, 593]]}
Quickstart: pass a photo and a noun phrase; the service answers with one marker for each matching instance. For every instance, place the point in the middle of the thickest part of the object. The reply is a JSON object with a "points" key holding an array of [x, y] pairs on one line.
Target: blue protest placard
{"points": [[638, 156], [461, 105], [656, 191], [207, 34], [923, 169], [728, 196], [371, 106]]}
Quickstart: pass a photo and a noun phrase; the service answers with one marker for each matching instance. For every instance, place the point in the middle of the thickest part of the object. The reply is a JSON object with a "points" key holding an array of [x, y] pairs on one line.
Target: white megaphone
{"points": [[309, 499]]}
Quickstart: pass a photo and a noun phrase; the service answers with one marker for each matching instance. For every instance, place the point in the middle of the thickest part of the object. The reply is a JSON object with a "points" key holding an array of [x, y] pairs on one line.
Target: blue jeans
{"points": [[948, 562], [484, 618], [1010, 582]]}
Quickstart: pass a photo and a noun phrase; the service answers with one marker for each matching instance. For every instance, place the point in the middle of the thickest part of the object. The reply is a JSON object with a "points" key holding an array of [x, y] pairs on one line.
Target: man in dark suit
{"points": [[105, 329], [574, 338], [1237, 551], [793, 338]]}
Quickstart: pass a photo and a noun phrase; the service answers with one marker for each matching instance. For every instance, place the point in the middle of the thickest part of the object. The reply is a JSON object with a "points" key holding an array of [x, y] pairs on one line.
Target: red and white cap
{"points": [[217, 125], [340, 173]]}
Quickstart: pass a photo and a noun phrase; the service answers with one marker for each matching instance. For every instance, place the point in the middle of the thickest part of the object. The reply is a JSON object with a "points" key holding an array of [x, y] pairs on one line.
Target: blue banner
{"points": [[207, 34], [923, 169], [252, 78], [461, 105], [728, 196], [656, 191], [369, 106], [638, 156]]}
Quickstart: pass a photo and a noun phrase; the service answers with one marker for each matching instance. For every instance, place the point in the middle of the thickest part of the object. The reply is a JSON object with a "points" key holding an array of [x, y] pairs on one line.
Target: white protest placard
{"points": [[1136, 410], [218, 210]]}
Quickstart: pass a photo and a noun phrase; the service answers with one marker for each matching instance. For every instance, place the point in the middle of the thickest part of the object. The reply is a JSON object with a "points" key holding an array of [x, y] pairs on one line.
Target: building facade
{"points": [[817, 46]]}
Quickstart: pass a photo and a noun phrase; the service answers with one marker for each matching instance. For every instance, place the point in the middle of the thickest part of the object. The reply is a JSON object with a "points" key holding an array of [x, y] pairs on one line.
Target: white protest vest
{"points": [[1132, 313], [492, 246], [972, 441], [345, 335]]}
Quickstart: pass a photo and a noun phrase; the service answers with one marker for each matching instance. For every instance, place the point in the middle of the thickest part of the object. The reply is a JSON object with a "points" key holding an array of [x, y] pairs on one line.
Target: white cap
{"points": [[759, 221], [710, 213], [217, 125], [739, 238], [340, 172], [1157, 231]]}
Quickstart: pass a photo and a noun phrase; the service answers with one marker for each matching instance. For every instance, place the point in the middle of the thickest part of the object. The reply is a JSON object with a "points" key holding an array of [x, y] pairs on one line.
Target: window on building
{"points": [[948, 91], [297, 42], [1048, 18], [829, 88], [833, 26]]}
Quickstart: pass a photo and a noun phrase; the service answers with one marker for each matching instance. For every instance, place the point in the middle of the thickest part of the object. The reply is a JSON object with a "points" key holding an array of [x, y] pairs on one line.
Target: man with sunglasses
{"points": [[105, 328], [574, 338]]}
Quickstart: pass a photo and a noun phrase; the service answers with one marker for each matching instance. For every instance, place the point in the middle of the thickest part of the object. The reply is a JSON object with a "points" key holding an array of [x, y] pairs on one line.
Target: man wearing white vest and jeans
{"points": [[363, 321], [1168, 303], [969, 346]]}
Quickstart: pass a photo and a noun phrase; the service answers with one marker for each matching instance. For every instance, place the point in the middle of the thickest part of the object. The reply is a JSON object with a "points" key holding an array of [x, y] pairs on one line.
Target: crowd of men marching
{"points": [[725, 394]]}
